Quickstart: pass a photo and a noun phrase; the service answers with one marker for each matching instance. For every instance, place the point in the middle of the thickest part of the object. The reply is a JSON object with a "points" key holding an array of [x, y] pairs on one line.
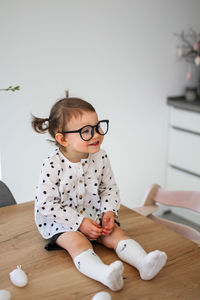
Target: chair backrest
{"points": [[6, 197], [185, 199]]}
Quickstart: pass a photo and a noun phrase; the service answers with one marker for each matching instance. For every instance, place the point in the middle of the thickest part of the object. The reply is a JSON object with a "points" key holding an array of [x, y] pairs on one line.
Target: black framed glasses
{"points": [[87, 132]]}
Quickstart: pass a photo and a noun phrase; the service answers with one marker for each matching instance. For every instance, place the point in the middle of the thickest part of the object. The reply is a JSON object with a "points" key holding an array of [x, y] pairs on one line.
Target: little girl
{"points": [[77, 198]]}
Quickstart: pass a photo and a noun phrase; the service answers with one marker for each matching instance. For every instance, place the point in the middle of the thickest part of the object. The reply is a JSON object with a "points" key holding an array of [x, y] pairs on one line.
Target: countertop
{"points": [[180, 102]]}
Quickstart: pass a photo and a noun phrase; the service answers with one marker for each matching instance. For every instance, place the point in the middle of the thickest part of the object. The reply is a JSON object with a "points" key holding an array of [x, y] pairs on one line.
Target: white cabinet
{"points": [[183, 162], [185, 119], [184, 150]]}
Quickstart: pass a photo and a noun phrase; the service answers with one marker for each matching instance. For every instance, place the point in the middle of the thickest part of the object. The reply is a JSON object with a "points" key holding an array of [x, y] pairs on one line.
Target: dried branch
{"points": [[11, 88]]}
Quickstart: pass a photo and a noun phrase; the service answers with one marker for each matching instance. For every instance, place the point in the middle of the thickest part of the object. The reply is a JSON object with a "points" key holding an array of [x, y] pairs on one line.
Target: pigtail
{"points": [[40, 125]]}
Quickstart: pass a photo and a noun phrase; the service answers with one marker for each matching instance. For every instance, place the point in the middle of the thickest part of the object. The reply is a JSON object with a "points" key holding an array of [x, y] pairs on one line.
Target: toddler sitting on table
{"points": [[77, 199]]}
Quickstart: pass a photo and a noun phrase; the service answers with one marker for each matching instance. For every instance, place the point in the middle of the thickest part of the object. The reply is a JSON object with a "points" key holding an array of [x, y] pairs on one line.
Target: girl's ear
{"points": [[60, 138]]}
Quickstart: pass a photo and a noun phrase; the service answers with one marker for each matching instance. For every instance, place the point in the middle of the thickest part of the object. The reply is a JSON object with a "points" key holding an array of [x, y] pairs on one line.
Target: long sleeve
{"points": [[49, 199], [108, 189]]}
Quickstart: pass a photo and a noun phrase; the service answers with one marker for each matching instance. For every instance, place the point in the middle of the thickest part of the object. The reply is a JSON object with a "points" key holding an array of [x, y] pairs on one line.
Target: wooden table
{"points": [[52, 275]]}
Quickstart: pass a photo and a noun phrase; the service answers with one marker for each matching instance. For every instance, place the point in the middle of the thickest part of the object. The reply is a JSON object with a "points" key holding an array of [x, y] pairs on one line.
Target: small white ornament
{"points": [[5, 295], [102, 296], [197, 60], [18, 277]]}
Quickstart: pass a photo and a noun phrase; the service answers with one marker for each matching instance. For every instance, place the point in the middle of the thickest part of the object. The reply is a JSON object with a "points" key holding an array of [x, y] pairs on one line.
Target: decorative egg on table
{"points": [[5, 295], [102, 296], [18, 277]]}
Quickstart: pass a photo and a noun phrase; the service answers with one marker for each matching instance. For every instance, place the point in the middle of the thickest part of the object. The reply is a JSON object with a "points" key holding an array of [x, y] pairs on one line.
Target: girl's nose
{"points": [[95, 133]]}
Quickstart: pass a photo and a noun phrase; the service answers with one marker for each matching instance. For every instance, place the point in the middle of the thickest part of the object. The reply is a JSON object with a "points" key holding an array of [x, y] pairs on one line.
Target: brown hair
{"points": [[61, 113]]}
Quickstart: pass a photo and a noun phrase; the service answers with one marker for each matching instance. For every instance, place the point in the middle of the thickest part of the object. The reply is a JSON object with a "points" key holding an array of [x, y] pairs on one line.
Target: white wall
{"points": [[118, 54]]}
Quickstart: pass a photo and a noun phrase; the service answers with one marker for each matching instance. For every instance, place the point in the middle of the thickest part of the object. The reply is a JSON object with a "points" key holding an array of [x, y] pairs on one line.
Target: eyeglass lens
{"points": [[87, 132]]}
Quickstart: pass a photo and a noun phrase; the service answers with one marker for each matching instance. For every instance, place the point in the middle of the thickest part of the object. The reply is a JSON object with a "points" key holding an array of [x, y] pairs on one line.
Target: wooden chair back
{"points": [[185, 199]]}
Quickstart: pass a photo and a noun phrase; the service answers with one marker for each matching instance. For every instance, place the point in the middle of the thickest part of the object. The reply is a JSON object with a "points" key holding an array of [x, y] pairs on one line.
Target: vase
{"points": [[191, 94]]}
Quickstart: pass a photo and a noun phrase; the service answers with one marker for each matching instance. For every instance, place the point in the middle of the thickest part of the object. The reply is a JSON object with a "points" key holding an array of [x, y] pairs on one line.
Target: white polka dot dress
{"points": [[68, 192]]}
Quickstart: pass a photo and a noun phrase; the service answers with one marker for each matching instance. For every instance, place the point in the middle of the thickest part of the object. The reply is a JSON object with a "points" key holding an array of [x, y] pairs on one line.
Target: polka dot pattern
{"points": [[67, 192]]}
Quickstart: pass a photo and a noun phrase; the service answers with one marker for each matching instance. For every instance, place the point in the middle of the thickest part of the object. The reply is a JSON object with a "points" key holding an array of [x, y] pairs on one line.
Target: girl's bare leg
{"points": [[88, 263], [74, 242]]}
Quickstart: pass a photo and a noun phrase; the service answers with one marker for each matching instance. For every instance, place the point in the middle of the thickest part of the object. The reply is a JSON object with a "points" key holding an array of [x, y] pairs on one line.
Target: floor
{"points": [[170, 216]]}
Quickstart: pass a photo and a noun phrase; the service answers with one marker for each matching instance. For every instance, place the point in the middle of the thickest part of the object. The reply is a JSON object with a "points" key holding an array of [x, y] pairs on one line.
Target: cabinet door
{"points": [[179, 180], [188, 120], [184, 150]]}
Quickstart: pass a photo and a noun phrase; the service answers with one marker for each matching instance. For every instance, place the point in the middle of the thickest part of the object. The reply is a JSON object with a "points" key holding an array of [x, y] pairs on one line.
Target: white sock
{"points": [[148, 265], [92, 266]]}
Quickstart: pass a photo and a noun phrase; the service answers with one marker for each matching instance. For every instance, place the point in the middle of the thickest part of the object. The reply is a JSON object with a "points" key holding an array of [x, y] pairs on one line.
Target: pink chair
{"points": [[185, 199]]}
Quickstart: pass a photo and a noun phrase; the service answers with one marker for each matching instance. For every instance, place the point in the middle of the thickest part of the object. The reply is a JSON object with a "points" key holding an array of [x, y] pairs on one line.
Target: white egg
{"points": [[102, 296], [5, 295], [18, 277]]}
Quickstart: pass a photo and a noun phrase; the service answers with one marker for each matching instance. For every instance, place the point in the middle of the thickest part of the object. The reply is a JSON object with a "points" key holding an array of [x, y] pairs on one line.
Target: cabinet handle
{"points": [[184, 170], [185, 130]]}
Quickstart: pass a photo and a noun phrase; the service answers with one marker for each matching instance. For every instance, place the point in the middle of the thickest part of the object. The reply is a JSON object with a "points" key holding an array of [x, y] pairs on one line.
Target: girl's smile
{"points": [[95, 143]]}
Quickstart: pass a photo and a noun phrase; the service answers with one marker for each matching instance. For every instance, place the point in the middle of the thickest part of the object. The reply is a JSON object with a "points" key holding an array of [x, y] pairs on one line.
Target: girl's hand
{"points": [[108, 223], [90, 228]]}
